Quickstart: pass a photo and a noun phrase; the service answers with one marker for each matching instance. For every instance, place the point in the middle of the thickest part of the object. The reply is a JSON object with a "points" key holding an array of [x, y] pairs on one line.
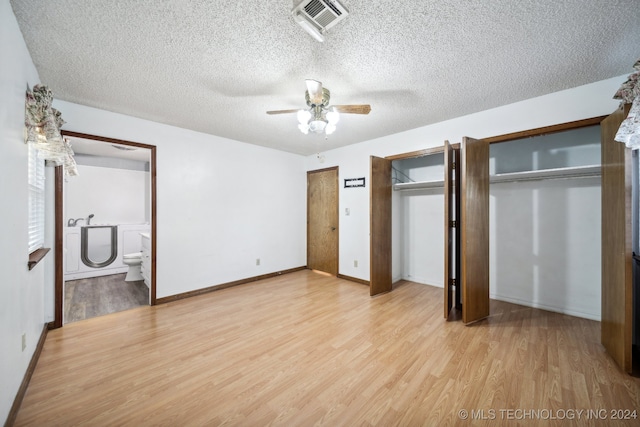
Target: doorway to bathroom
{"points": [[105, 220]]}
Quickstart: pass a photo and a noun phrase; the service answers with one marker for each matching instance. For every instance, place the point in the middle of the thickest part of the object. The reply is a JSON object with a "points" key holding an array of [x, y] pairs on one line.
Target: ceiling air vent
{"points": [[317, 16]]}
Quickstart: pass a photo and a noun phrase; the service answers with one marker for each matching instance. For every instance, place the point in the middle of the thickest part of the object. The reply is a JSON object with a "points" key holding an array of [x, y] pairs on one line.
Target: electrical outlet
{"points": [[355, 263], [24, 341], [347, 211], [257, 261]]}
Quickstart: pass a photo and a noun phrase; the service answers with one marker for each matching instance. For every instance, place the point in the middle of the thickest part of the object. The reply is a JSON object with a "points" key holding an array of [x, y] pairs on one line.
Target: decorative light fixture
{"points": [[318, 118], [42, 125]]}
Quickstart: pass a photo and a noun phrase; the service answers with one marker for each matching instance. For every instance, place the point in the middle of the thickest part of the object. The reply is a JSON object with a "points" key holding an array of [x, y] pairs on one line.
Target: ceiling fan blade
{"points": [[353, 109], [283, 111], [314, 88]]}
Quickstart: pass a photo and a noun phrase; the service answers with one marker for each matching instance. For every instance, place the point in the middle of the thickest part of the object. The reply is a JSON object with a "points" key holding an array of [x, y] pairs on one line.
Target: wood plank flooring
{"points": [[308, 349], [97, 296]]}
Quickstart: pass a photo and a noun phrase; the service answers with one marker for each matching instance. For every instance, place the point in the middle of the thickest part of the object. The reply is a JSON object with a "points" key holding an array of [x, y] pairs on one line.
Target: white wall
{"points": [[422, 236], [114, 196], [545, 245], [221, 204], [569, 105], [21, 291]]}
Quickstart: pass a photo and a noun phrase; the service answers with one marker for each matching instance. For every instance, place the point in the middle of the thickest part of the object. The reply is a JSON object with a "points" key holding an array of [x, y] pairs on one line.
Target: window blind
{"points": [[36, 199]]}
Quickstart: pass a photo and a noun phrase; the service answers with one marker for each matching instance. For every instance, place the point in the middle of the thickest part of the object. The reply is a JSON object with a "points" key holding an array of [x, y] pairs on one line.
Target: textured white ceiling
{"points": [[216, 66]]}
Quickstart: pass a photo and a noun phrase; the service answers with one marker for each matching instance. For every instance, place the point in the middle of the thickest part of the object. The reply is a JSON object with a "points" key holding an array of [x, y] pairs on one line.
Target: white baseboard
{"points": [[534, 304]]}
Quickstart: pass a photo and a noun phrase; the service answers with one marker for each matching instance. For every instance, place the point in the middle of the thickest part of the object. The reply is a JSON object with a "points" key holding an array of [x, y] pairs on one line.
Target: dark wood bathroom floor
{"points": [[97, 296]]}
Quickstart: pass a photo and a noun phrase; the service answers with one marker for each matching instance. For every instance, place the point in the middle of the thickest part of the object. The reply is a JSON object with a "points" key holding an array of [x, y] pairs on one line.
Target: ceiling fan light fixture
{"points": [[317, 125], [333, 117], [304, 116], [304, 128], [321, 117]]}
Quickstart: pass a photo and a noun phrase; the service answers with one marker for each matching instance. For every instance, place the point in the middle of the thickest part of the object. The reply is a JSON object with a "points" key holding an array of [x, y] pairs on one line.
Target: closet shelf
{"points": [[401, 186], [557, 173]]}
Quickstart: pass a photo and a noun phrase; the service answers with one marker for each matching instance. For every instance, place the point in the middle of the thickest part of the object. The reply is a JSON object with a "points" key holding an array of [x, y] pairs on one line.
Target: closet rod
{"points": [[556, 173]]}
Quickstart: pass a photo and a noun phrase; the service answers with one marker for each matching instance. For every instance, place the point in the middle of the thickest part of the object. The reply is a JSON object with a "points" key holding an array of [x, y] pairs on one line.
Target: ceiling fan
{"points": [[320, 116]]}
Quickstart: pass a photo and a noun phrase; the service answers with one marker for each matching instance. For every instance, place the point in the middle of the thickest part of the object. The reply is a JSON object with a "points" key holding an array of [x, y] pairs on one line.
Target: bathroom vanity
{"points": [[145, 267]]}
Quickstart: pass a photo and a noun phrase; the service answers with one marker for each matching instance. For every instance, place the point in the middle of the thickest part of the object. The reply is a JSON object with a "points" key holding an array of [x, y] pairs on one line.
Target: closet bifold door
{"points": [[474, 229], [448, 235], [451, 221], [380, 217], [617, 276]]}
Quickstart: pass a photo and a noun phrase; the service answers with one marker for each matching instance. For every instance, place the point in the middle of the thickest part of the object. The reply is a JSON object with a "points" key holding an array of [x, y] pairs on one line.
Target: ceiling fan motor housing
{"points": [[326, 96]]}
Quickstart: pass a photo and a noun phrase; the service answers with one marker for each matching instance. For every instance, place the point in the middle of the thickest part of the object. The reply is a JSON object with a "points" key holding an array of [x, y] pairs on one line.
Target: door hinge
{"points": [[452, 282], [453, 224], [453, 165]]}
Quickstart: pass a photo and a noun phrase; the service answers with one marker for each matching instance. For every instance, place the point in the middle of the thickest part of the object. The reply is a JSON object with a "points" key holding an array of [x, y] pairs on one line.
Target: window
{"points": [[36, 200]]}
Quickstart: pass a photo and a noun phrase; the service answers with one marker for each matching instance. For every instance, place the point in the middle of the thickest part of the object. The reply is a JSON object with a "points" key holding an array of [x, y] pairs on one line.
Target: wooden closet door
{"points": [[448, 232], [617, 277], [474, 229], [380, 215]]}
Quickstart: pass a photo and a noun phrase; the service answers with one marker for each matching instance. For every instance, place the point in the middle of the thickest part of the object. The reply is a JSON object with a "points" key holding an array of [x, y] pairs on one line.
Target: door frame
{"points": [[337, 213], [59, 221]]}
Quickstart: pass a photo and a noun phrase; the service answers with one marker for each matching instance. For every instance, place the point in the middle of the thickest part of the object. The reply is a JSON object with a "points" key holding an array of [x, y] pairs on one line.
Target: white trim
{"points": [[36, 180]]}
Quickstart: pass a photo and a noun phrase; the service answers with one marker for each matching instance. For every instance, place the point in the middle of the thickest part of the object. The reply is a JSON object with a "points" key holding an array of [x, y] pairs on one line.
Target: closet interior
{"points": [[440, 210], [545, 221], [418, 211], [427, 206]]}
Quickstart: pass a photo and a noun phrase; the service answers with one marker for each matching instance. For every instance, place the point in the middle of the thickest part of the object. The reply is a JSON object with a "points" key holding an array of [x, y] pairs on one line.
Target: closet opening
{"points": [[545, 238], [425, 211]]}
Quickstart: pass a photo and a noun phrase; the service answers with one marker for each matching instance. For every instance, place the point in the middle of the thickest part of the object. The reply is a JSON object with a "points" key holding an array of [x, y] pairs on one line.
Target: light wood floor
{"points": [[306, 349]]}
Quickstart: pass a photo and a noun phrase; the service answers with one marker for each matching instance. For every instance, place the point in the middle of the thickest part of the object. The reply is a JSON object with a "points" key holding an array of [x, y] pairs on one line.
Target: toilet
{"points": [[134, 261]]}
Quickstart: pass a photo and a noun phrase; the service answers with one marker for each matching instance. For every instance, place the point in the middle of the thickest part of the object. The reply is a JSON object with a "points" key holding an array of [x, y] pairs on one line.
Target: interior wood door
{"points": [[322, 220], [474, 229], [617, 276], [380, 215]]}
